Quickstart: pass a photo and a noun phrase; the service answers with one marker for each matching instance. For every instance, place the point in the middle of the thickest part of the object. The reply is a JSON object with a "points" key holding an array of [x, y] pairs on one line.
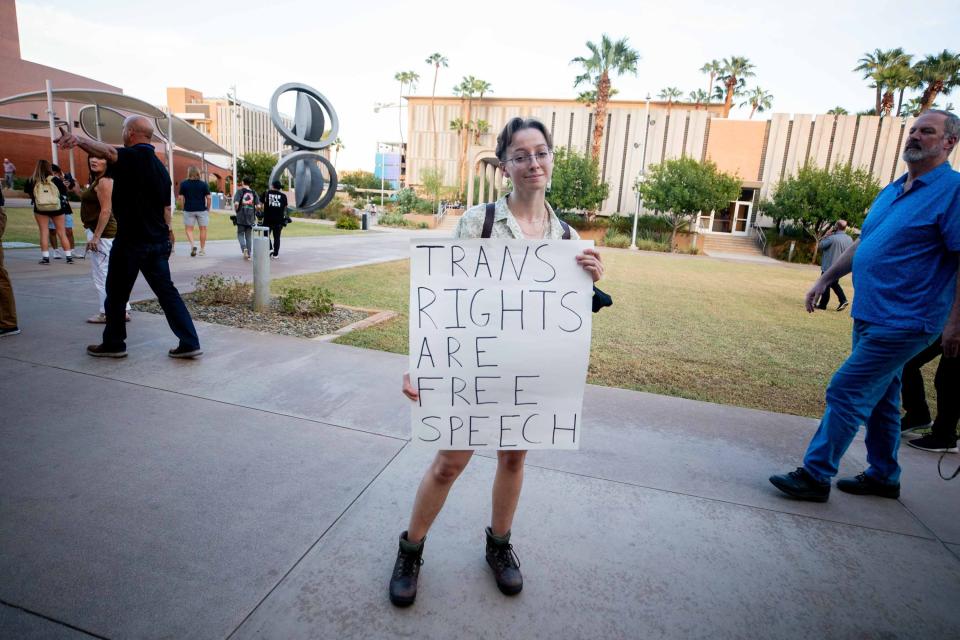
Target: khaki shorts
{"points": [[199, 218]]}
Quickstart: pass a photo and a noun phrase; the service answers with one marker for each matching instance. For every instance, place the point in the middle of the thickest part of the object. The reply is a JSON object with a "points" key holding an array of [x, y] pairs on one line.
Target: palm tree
{"points": [[462, 127], [409, 79], [699, 97], [480, 127], [669, 94], [734, 71], [878, 66], [759, 100], [713, 69], [940, 73], [838, 111], [436, 60], [589, 98], [469, 87], [608, 56], [912, 107], [869, 64], [337, 146]]}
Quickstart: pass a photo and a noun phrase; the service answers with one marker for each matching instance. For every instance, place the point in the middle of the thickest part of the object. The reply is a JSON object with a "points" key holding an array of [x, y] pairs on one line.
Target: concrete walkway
{"points": [[258, 493]]}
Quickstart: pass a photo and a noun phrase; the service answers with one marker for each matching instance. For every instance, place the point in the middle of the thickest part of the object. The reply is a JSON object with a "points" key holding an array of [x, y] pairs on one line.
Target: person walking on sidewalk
{"points": [[943, 437], [9, 171], [905, 269], [8, 306], [195, 200], [47, 192], [833, 247], [96, 213], [525, 151], [245, 203], [144, 240], [274, 213]]}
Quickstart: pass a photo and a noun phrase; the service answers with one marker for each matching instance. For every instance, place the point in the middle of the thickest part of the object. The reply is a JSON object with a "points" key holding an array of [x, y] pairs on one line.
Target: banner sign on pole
{"points": [[499, 343]]}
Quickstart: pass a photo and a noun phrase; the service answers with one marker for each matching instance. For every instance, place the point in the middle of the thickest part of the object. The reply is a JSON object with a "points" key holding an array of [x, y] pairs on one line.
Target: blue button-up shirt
{"points": [[905, 268]]}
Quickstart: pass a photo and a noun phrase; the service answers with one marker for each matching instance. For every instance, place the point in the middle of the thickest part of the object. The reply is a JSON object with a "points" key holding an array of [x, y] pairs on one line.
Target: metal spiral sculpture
{"points": [[311, 190]]}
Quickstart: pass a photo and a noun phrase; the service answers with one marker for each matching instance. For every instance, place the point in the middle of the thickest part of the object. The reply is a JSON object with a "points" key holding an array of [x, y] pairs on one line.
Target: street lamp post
{"points": [[380, 149], [643, 172]]}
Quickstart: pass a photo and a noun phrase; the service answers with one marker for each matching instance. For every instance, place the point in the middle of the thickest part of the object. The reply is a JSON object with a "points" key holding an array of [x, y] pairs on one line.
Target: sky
{"points": [[804, 53]]}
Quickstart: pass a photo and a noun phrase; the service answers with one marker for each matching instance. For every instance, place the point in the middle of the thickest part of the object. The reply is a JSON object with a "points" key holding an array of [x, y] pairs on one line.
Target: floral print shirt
{"points": [[504, 224]]}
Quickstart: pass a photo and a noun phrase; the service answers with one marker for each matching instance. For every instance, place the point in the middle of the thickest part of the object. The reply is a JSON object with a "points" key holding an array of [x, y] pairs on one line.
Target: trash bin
{"points": [[363, 221], [215, 200]]}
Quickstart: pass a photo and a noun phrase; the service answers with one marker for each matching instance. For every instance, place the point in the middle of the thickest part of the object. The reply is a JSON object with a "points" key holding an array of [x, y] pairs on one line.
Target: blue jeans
{"points": [[153, 261], [866, 390]]}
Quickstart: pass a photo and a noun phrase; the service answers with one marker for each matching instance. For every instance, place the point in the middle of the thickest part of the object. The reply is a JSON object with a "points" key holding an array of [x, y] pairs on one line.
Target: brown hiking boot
{"points": [[505, 563], [406, 571]]}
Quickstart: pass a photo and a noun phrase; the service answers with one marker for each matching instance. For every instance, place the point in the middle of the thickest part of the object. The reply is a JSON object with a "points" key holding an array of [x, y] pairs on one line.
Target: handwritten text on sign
{"points": [[499, 343]]}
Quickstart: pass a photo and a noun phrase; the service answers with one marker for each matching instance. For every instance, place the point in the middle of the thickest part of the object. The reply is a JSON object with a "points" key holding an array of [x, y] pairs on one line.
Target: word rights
{"points": [[499, 343]]}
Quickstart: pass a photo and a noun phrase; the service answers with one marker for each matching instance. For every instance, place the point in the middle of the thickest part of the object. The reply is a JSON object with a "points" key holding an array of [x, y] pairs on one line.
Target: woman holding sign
{"points": [[525, 152]]}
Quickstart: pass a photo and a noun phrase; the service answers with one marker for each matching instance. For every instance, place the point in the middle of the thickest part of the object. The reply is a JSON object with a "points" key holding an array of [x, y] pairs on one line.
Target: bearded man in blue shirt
{"points": [[905, 273]]}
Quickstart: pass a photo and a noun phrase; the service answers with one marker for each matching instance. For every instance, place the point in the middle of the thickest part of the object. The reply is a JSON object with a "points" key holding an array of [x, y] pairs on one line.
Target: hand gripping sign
{"points": [[499, 343], [312, 190]]}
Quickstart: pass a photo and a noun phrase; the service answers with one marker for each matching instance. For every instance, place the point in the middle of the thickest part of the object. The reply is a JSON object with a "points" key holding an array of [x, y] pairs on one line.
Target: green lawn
{"points": [[22, 227], [725, 332]]}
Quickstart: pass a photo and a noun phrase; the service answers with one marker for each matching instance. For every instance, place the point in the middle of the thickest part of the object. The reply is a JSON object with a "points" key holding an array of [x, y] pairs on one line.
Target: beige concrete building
{"points": [[215, 118], [760, 152]]}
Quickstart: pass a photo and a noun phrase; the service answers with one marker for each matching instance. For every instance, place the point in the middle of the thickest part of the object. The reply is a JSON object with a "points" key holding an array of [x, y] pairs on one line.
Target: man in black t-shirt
{"points": [[274, 213], [144, 240], [194, 199]]}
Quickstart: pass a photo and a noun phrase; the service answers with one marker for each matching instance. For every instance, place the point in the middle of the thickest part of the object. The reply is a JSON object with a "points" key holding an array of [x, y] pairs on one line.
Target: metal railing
{"points": [[760, 237]]}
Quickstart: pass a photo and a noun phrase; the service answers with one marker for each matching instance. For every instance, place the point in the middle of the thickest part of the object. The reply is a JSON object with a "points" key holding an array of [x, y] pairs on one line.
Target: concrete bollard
{"points": [[261, 269]]}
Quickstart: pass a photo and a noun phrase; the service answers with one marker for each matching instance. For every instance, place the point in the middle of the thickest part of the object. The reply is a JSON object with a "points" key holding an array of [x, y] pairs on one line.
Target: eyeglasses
{"points": [[525, 161]]}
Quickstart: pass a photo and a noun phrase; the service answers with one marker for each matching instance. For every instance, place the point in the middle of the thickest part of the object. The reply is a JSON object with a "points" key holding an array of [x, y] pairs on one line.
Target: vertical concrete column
{"points": [[483, 181], [471, 172], [491, 171]]}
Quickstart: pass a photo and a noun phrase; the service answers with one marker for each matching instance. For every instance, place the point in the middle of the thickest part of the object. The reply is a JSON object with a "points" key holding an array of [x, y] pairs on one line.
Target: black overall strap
{"points": [[488, 220], [566, 230]]}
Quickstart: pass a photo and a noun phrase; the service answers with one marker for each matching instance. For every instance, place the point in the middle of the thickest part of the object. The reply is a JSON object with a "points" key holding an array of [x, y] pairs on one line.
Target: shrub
{"points": [[216, 288], [310, 301], [347, 221], [616, 240], [393, 220], [423, 225], [652, 245]]}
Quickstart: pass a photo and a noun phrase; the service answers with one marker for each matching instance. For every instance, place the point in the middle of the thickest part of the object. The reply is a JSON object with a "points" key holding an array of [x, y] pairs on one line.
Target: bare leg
{"points": [[59, 223], [43, 222], [188, 231], [434, 487], [69, 232], [506, 490], [203, 238]]}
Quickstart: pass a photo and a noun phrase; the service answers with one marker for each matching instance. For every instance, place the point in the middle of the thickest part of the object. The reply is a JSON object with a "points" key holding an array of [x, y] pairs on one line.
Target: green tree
{"points": [[939, 74], [337, 146], [432, 179], [359, 180], [682, 188], [713, 69], [879, 67], [669, 94], [759, 100], [607, 57], [469, 88], [699, 97], [480, 127], [436, 60], [838, 111], [816, 198], [576, 184], [408, 79], [734, 72], [257, 166]]}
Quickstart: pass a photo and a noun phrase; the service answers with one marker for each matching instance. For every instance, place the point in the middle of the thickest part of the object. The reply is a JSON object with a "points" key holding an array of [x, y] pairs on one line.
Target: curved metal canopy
{"points": [[91, 96], [186, 136], [23, 124], [111, 125]]}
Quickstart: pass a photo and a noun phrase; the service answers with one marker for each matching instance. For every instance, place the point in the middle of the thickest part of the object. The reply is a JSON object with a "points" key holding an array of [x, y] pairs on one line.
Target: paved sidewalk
{"points": [[258, 493]]}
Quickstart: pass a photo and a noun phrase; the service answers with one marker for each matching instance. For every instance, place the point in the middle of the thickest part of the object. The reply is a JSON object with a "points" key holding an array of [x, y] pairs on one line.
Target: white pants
{"points": [[99, 260]]}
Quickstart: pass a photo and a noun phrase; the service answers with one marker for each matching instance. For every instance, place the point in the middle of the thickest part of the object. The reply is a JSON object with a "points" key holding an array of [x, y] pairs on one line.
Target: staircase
{"points": [[727, 244], [450, 221]]}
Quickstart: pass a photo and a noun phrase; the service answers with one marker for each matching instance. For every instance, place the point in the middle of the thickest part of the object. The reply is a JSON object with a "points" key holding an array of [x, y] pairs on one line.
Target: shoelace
{"points": [[408, 564], [505, 557]]}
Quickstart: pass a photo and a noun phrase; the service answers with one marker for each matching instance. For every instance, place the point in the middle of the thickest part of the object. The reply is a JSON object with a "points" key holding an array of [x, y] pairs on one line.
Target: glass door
{"points": [[741, 217]]}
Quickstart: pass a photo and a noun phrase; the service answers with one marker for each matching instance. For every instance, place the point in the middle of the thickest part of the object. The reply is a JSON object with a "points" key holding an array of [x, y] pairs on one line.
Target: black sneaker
{"points": [[101, 351], [801, 485], [932, 443], [864, 485], [910, 425], [505, 563], [69, 259], [9, 332], [843, 305], [44, 261], [185, 352], [406, 572], [193, 252]]}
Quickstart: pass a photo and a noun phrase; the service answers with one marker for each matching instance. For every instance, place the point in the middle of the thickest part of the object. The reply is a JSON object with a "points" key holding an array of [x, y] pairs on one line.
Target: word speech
{"points": [[499, 343]]}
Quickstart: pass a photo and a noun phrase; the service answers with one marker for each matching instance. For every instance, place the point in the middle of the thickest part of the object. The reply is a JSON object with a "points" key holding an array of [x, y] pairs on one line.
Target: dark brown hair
{"points": [[519, 124]]}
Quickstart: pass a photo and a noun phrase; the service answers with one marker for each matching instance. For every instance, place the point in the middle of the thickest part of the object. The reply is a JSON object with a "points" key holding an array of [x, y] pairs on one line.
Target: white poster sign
{"points": [[499, 343]]}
